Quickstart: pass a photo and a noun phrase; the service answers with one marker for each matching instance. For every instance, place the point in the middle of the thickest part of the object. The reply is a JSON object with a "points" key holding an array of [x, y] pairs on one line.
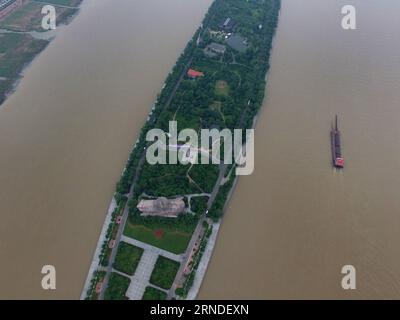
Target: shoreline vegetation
{"points": [[229, 95], [18, 48]]}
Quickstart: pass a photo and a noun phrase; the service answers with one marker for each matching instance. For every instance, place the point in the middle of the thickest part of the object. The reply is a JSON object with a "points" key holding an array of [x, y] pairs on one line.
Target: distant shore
{"points": [[24, 40]]}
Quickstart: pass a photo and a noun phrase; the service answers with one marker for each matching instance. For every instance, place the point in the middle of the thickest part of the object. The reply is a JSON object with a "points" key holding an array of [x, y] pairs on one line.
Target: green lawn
{"points": [[127, 258], [171, 240], [222, 88], [164, 272], [153, 294], [117, 287]]}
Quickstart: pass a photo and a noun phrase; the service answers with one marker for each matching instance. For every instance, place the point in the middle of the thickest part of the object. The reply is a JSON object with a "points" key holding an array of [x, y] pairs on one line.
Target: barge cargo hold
{"points": [[337, 158]]}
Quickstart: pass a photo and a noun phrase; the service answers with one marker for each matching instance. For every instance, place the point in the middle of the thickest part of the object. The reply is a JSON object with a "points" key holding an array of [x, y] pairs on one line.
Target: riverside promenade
{"points": [[203, 264], [94, 266]]}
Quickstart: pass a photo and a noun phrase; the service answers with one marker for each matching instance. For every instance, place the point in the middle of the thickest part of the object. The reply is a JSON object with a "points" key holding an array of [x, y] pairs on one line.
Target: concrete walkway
{"points": [[95, 265], [203, 264], [140, 280]]}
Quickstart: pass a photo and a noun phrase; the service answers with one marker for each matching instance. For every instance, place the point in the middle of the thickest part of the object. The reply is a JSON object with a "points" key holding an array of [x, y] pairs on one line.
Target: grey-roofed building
{"points": [[228, 24], [238, 43], [215, 48]]}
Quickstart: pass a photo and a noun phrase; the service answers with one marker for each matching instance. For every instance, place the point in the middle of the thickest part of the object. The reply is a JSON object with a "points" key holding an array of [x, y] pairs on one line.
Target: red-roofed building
{"points": [[194, 74]]}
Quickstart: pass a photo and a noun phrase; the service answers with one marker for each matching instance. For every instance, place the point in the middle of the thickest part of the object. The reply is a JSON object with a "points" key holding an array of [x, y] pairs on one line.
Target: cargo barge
{"points": [[337, 159]]}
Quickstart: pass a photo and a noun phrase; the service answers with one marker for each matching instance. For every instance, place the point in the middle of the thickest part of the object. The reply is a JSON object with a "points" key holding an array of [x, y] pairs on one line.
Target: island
{"points": [[22, 37], [163, 221]]}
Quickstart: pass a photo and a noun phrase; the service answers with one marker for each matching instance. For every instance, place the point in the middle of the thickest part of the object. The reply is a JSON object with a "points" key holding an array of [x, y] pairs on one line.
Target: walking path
{"points": [[203, 264], [96, 257], [140, 280]]}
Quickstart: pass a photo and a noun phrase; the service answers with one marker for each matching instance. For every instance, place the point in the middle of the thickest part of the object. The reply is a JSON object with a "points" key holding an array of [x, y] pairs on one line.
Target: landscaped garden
{"points": [[96, 285], [222, 88], [153, 294], [128, 257], [164, 272], [117, 287]]}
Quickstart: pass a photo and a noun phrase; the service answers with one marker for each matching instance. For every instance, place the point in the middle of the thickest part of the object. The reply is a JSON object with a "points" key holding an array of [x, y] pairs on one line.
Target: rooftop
{"points": [[194, 73], [216, 47], [227, 24], [237, 42], [162, 207]]}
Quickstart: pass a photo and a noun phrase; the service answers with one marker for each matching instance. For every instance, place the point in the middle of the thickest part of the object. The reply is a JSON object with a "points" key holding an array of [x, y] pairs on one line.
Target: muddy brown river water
{"points": [[296, 221], [66, 132]]}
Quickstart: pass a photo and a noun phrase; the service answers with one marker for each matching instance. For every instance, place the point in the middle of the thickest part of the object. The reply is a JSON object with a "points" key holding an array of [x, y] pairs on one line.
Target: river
{"points": [[65, 135], [66, 132], [296, 221]]}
